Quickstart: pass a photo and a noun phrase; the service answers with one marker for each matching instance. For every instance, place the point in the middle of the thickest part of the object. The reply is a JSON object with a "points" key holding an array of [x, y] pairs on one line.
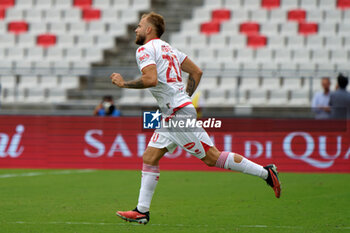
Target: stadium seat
{"points": [[33, 15], [344, 28], [121, 4], [82, 3], [271, 83], [249, 83], [34, 54], [320, 55], [327, 29], [224, 55], [249, 28], [213, 4], [333, 16], [244, 55], [216, 97], [278, 16], [18, 27], [48, 82], [257, 97], [263, 55], [218, 41], [333, 42], [269, 29], [198, 41], [43, 4], [291, 83], [46, 40], [71, 15], [301, 56], [278, 97], [232, 4], [221, 15], [102, 4], [298, 15], [299, 97], [256, 41], [270, 4], [35, 95], [4, 4], [28, 82], [210, 28], [13, 14], [54, 54], [130, 97], [91, 14], [289, 4], [258, 15], [307, 28], [69, 82], [141, 5], [314, 15], [36, 28], [77, 28], [25, 41], [314, 42], [343, 4], [295, 42], [308, 5], [238, 41], [228, 84], [339, 56], [61, 67], [56, 95], [9, 81], [289, 29], [210, 83], [239, 15], [326, 4], [15, 53]]}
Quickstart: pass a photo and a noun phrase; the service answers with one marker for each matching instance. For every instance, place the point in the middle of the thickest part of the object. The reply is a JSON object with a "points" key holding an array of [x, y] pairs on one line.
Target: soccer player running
{"points": [[161, 66]]}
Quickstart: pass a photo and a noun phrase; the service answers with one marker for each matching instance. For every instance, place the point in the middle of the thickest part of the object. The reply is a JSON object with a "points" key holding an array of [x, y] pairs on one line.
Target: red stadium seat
{"points": [[18, 27], [270, 4], [249, 28], [298, 15], [2, 13], [210, 28], [308, 28], [221, 15], [83, 3], [256, 41], [343, 4], [91, 14], [6, 3], [46, 40]]}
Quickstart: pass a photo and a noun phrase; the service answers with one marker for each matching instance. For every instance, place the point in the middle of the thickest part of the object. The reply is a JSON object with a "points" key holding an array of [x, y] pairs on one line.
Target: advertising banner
{"points": [[294, 145]]}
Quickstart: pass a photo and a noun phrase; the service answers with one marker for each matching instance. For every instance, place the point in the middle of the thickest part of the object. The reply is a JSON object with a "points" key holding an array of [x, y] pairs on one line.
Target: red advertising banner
{"points": [[118, 143]]}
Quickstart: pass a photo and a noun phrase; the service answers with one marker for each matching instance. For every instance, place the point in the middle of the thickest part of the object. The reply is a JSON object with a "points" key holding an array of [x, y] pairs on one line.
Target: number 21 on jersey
{"points": [[174, 66]]}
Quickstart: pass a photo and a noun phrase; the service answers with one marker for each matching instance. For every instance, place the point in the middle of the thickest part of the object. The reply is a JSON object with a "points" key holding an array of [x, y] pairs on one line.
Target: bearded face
{"points": [[140, 39]]}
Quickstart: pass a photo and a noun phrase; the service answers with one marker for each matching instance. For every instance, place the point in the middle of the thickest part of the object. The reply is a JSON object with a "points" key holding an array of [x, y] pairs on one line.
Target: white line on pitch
{"points": [[161, 225], [65, 172]]}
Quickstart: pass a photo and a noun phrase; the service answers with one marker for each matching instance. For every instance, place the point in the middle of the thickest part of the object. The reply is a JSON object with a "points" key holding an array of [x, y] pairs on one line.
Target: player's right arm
{"points": [[195, 75]]}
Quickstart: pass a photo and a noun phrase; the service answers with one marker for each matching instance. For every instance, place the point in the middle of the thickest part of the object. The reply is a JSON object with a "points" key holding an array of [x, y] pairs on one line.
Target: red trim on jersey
{"points": [[148, 65], [151, 40], [205, 146], [184, 60], [177, 109]]}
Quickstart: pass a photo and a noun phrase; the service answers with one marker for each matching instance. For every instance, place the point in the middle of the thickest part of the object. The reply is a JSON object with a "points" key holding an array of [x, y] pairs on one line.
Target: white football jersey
{"points": [[170, 90]]}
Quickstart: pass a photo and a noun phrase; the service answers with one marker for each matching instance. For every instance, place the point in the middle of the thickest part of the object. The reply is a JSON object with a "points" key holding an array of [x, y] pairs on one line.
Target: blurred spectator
{"points": [[106, 108], [320, 102], [340, 99]]}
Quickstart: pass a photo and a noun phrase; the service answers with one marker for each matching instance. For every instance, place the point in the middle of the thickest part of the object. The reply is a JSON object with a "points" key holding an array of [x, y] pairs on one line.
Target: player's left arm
{"points": [[195, 75], [148, 79]]}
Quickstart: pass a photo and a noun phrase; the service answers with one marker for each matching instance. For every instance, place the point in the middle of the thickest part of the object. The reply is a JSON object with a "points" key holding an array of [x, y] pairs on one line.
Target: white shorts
{"points": [[195, 142]]}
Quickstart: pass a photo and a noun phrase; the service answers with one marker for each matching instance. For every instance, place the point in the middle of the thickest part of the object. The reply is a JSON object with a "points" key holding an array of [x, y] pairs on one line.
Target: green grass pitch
{"points": [[85, 201]]}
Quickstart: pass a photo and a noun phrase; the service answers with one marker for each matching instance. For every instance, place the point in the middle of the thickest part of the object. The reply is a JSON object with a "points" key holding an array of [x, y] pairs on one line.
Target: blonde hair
{"points": [[157, 21]]}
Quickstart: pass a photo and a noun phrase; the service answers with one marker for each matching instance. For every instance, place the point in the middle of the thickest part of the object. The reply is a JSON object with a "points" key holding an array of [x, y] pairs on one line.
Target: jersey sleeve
{"points": [[182, 57], [145, 57]]}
